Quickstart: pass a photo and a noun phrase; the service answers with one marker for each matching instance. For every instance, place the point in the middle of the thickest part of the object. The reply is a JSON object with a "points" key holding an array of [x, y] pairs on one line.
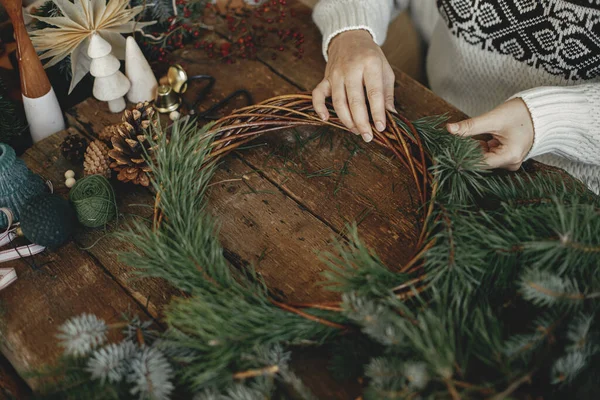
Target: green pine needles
{"points": [[503, 301]]}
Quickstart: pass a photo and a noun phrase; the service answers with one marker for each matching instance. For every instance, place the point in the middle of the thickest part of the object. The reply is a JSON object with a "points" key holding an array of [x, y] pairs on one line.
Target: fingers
{"points": [[346, 81], [340, 104], [511, 129], [375, 93], [319, 94], [473, 126], [389, 79], [493, 160], [502, 157], [358, 107]]}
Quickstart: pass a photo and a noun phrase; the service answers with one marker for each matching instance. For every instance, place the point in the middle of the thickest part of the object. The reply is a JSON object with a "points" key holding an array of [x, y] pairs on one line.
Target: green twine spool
{"points": [[94, 200]]}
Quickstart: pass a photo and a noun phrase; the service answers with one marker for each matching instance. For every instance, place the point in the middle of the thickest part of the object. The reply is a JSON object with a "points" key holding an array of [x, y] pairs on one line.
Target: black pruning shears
{"points": [[179, 82]]}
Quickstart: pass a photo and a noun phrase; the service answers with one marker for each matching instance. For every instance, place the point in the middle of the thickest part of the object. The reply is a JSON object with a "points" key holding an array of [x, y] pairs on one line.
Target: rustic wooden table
{"points": [[279, 204]]}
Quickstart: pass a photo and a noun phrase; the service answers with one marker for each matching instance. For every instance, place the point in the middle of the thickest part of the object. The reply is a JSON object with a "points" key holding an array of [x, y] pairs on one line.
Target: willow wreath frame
{"points": [[295, 110]]}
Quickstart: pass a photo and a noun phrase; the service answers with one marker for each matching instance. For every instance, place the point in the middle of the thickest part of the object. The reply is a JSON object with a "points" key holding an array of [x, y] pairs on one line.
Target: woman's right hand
{"points": [[356, 63]]}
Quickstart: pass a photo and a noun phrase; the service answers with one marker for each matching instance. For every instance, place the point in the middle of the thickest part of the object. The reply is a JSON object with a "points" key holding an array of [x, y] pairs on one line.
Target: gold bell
{"points": [[178, 78], [166, 99]]}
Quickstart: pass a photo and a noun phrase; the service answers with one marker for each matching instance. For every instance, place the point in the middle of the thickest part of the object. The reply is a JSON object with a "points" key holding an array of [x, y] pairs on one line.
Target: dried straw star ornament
{"points": [[79, 20]]}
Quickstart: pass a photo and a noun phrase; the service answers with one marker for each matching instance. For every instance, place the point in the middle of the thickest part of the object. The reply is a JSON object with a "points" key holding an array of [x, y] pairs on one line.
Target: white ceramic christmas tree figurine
{"points": [[110, 84], [139, 73]]}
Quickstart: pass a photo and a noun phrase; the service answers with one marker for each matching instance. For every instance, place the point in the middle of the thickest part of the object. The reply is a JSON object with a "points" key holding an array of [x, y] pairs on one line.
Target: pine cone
{"points": [[130, 145], [73, 148], [96, 159], [108, 132]]}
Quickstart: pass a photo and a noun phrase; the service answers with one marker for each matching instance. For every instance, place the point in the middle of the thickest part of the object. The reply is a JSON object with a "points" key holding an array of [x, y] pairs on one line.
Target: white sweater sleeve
{"points": [[566, 121], [336, 16]]}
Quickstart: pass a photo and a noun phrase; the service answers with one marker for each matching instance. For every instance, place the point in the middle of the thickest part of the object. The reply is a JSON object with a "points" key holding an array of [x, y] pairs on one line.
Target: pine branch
{"points": [[354, 268], [227, 313]]}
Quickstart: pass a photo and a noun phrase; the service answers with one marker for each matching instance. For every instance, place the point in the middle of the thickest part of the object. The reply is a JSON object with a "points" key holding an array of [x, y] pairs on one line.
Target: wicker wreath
{"points": [[289, 111]]}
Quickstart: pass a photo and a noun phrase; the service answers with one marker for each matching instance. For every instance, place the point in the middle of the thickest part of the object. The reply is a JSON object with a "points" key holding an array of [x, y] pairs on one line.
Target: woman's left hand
{"points": [[511, 130]]}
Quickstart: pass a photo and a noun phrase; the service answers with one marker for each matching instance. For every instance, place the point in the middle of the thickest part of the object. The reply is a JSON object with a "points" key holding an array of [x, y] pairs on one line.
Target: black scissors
{"points": [[210, 112]]}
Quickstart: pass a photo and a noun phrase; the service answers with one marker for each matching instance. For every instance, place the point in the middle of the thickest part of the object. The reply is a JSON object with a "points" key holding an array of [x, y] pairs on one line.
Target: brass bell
{"points": [[178, 78], [166, 99]]}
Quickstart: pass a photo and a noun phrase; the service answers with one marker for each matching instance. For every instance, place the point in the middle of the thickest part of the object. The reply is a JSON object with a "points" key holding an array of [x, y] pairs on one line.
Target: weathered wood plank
{"points": [[61, 284], [263, 226], [343, 180]]}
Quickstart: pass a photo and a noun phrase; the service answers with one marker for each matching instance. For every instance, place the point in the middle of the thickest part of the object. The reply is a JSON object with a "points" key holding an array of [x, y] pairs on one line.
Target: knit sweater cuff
{"points": [[335, 17], [564, 121]]}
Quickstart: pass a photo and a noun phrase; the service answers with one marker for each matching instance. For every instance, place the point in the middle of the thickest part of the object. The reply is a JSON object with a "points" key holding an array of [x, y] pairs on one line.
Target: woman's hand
{"points": [[356, 62], [511, 130]]}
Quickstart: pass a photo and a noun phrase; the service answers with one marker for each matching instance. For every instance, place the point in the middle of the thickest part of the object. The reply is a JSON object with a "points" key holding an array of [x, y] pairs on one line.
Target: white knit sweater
{"points": [[546, 52]]}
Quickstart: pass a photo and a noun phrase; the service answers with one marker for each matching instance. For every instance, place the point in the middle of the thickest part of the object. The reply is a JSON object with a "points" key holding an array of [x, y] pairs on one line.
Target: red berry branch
{"points": [[244, 31]]}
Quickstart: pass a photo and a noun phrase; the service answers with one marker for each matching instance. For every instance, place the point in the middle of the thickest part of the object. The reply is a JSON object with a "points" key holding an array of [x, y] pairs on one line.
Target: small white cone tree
{"points": [[139, 73], [110, 84]]}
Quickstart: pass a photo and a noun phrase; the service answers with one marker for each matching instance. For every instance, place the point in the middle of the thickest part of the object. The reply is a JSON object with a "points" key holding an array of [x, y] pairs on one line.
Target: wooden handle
{"points": [[34, 81]]}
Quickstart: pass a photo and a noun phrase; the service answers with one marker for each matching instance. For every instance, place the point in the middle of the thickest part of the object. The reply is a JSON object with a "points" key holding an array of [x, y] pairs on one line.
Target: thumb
{"points": [[471, 126]]}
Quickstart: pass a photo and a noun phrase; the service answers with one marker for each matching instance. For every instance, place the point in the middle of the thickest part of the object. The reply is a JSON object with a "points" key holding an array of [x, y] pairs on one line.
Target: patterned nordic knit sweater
{"points": [[483, 52]]}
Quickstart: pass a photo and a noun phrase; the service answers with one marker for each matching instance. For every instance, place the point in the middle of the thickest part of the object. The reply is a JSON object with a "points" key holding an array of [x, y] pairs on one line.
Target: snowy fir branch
{"points": [[81, 334]]}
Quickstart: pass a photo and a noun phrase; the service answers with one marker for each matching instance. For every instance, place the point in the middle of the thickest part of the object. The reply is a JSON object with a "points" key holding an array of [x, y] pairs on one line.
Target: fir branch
{"points": [[427, 334], [151, 374], [79, 335], [566, 368], [580, 334], [523, 345], [389, 374], [136, 327], [543, 288], [110, 363]]}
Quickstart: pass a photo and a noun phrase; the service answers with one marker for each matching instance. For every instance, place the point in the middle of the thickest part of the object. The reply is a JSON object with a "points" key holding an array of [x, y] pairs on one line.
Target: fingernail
{"points": [[323, 116], [452, 128], [380, 126], [367, 137]]}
